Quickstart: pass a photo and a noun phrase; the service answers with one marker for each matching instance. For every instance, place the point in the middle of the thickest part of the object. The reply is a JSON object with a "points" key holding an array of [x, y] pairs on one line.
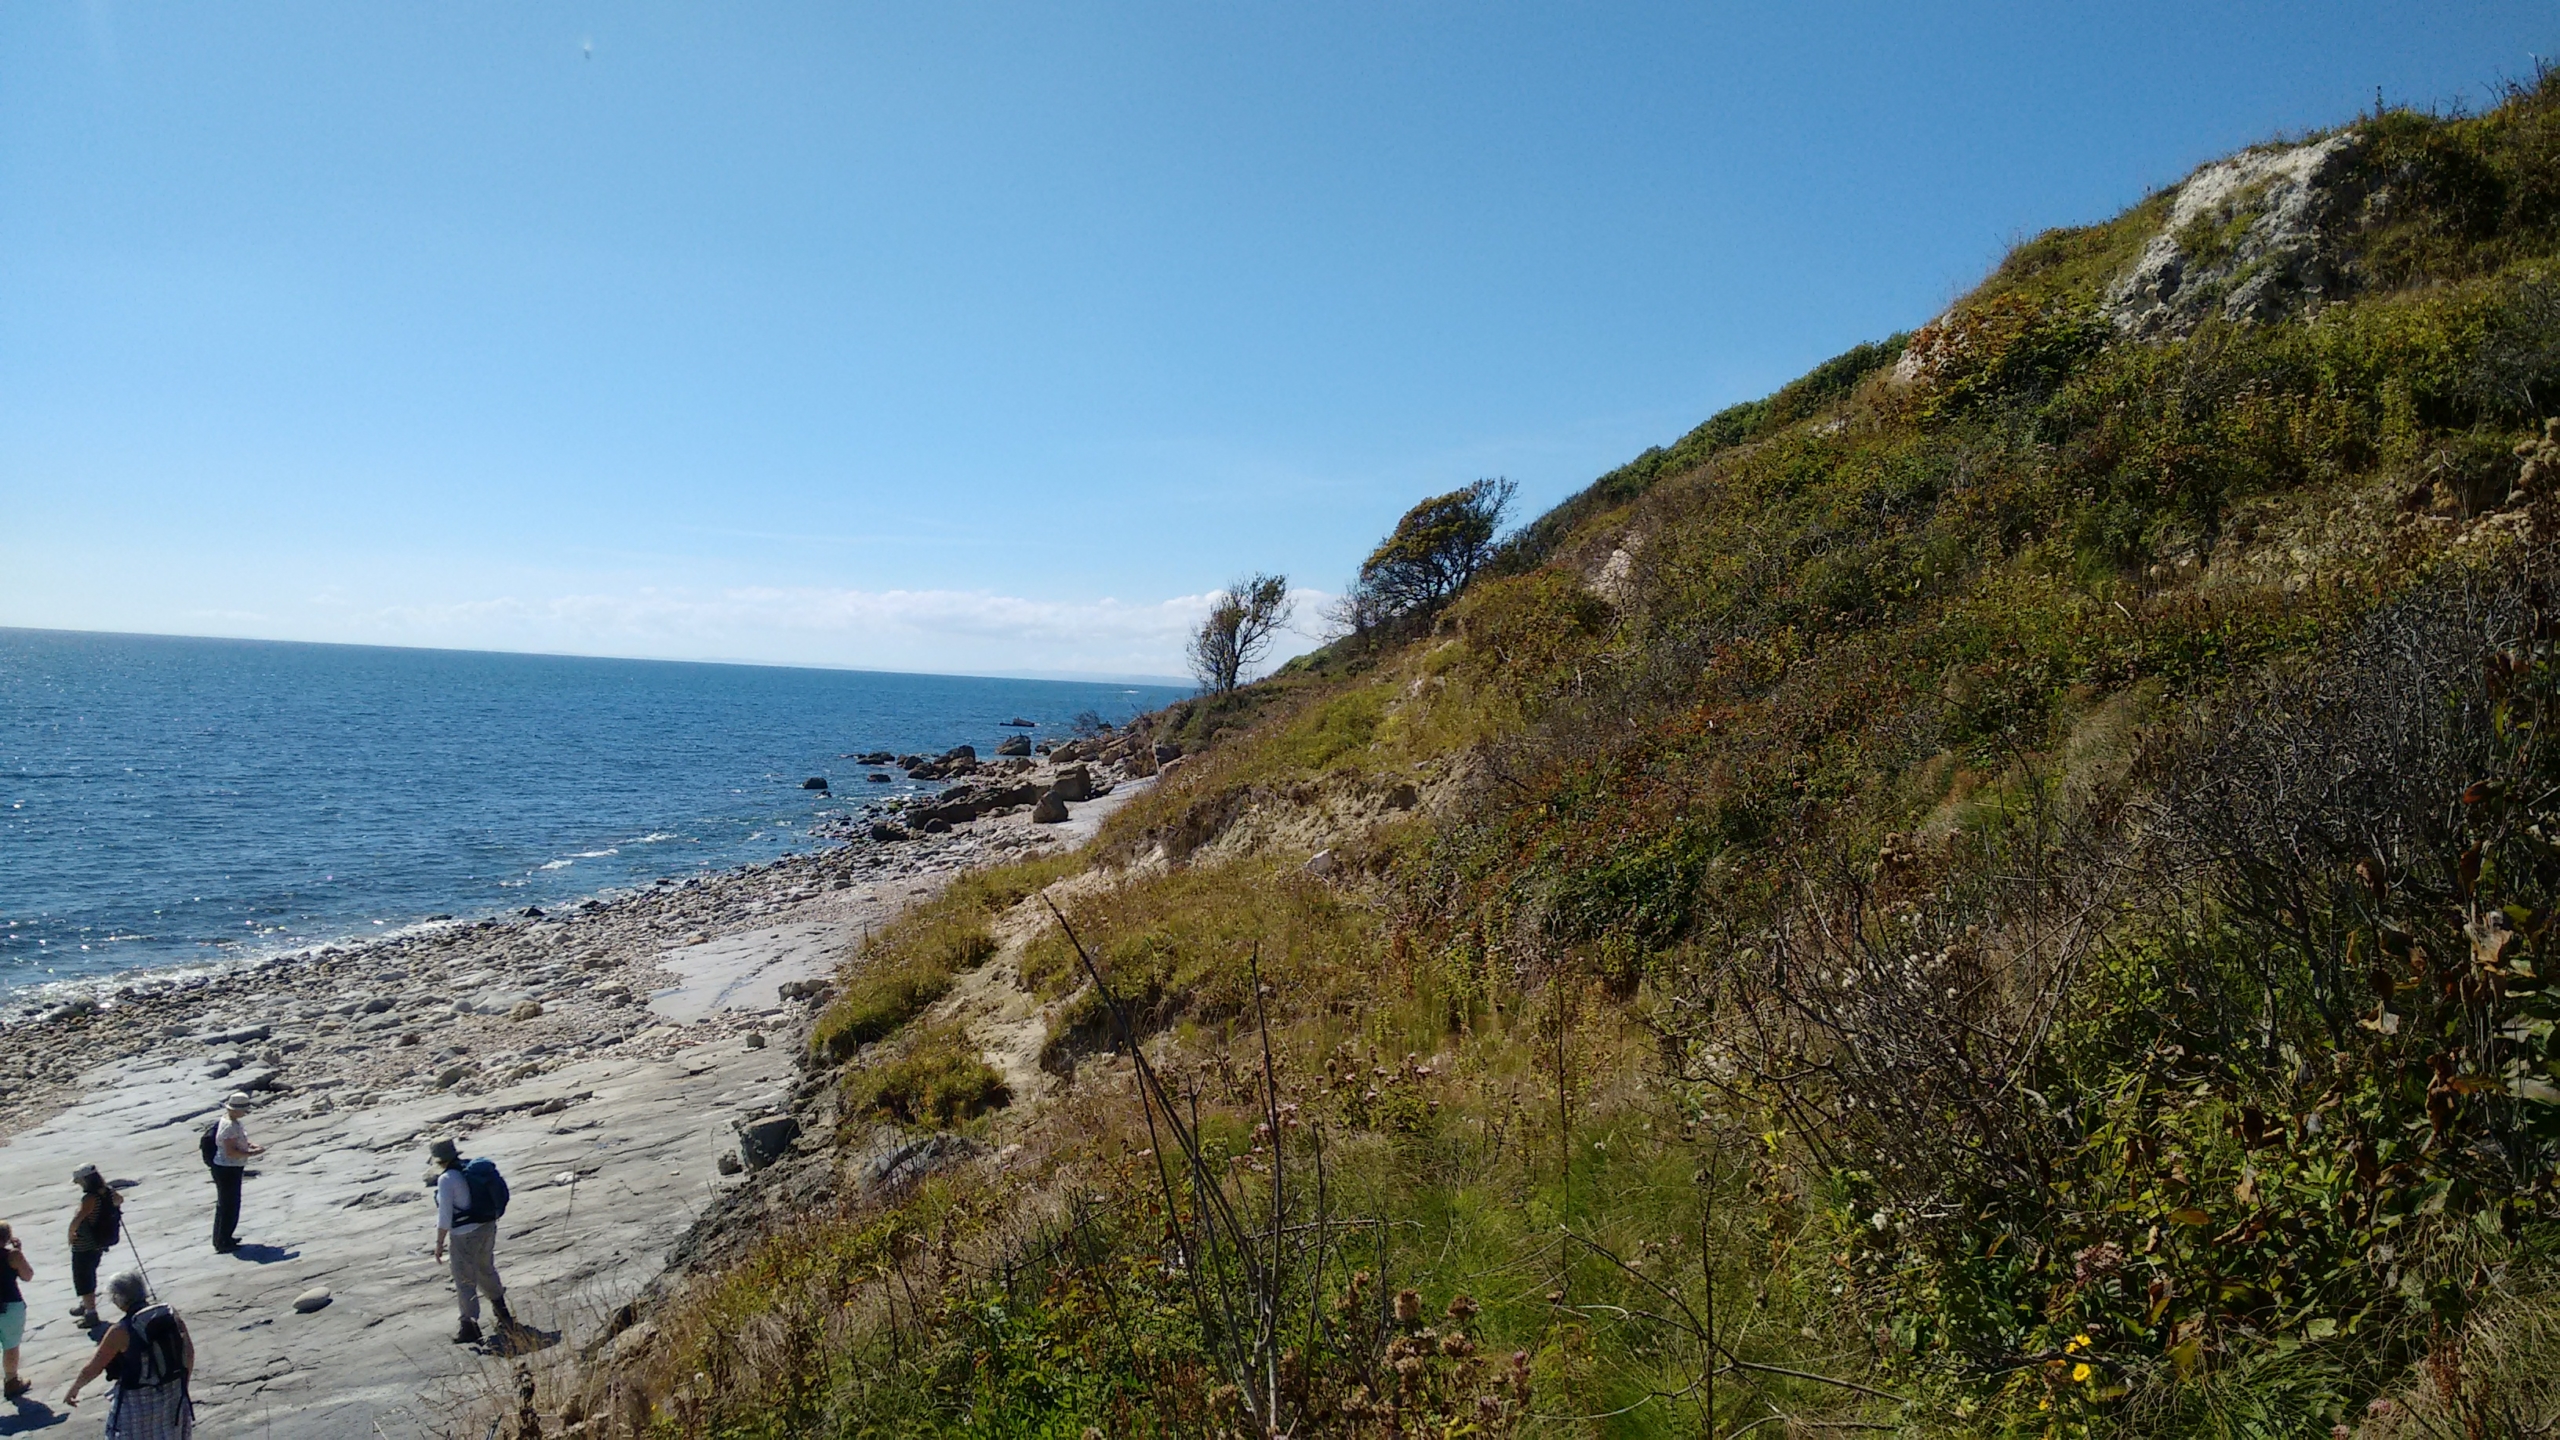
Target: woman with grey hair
{"points": [[150, 1355]]}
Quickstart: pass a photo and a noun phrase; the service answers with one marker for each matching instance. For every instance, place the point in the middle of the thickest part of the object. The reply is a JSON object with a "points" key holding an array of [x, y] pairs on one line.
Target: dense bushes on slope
{"points": [[2003, 890]]}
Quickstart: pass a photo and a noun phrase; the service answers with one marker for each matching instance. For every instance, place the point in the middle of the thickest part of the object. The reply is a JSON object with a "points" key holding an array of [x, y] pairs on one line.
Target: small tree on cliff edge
{"points": [[1239, 630], [1436, 549]]}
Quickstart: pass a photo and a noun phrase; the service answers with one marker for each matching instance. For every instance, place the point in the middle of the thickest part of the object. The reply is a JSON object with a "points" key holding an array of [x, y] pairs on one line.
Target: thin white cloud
{"points": [[942, 630]]}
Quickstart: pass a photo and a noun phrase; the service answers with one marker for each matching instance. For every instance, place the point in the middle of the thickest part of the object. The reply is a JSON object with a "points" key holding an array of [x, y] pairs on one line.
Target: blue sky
{"points": [[991, 337]]}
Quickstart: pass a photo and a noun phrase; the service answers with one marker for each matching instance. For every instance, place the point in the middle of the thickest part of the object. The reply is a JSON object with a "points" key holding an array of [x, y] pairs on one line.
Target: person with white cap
{"points": [[227, 1154], [95, 1228]]}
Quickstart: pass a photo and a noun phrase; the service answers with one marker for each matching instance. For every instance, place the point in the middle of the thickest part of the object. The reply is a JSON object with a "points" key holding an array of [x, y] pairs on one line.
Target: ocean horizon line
{"points": [[1064, 677]]}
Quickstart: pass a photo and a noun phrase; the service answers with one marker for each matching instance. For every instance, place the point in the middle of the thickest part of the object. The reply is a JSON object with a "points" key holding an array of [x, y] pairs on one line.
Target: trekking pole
{"points": [[138, 1265]]}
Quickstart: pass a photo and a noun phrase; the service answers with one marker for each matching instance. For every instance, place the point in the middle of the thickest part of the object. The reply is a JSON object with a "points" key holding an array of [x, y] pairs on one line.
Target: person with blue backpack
{"points": [[469, 1200]]}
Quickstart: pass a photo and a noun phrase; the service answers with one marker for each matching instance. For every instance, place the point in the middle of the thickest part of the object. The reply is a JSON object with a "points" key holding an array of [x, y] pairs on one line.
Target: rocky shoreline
{"points": [[618, 1056], [455, 1006]]}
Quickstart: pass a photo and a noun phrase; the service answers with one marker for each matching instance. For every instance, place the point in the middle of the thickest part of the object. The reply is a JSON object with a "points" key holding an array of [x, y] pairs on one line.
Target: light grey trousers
{"points": [[474, 1257]]}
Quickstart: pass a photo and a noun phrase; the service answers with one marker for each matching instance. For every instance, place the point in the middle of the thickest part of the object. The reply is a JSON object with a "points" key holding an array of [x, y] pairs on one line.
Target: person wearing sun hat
{"points": [[228, 1158], [95, 1227], [470, 1222]]}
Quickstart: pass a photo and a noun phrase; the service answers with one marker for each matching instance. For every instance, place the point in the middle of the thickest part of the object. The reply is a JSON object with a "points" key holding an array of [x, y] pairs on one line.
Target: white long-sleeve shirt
{"points": [[453, 1197]]}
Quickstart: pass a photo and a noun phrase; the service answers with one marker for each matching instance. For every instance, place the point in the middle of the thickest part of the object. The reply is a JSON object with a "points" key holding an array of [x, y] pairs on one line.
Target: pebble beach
{"points": [[606, 1054]]}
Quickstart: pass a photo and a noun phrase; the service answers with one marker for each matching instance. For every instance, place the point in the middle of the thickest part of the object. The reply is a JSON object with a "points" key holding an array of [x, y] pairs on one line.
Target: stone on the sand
{"points": [[315, 1298], [730, 1164], [761, 1142], [886, 833], [755, 1039], [1014, 745], [1050, 811], [1074, 783], [526, 1010]]}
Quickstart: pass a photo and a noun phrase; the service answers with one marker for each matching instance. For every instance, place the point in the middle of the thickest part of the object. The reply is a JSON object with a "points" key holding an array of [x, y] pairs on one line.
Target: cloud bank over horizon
{"points": [[934, 631], [975, 631]]}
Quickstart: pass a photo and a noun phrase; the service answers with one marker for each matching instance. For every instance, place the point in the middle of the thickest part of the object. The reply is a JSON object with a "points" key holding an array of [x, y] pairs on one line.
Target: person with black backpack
{"points": [[149, 1354], [227, 1153], [469, 1200], [95, 1228]]}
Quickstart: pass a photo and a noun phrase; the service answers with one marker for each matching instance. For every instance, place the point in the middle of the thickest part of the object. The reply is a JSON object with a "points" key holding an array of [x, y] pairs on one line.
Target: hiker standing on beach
{"points": [[227, 1153], [95, 1228], [469, 1200], [13, 1308], [149, 1354]]}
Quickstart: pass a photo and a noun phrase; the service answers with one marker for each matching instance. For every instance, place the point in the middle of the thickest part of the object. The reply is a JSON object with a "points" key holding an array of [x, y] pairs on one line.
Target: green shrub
{"points": [[909, 964], [934, 1081]]}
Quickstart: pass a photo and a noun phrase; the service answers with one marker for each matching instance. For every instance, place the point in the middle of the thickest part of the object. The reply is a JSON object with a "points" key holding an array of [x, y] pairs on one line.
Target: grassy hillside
{"points": [[2000, 890]]}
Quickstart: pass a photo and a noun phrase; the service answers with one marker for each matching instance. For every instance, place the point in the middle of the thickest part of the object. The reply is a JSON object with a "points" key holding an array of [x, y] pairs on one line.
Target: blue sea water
{"points": [[170, 801]]}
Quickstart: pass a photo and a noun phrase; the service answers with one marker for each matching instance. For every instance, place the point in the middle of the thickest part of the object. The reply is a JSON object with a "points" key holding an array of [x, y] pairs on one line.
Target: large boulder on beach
{"points": [[1050, 810], [1074, 783], [761, 1142], [958, 753], [1014, 745]]}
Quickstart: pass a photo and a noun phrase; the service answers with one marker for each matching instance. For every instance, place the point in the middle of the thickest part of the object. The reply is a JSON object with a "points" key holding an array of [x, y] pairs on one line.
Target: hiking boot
{"points": [[14, 1389], [469, 1334]]}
